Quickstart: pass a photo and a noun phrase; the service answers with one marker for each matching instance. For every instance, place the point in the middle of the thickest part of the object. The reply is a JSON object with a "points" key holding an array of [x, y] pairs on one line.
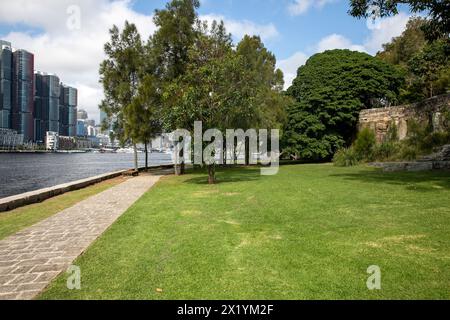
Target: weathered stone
{"points": [[441, 165], [429, 111], [47, 276], [48, 267], [9, 296], [28, 295], [404, 166], [38, 286], [33, 257], [419, 166], [7, 279], [24, 278]]}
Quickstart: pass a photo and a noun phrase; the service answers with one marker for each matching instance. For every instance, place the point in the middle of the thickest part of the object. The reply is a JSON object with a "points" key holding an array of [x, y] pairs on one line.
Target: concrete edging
{"points": [[412, 166], [20, 200]]}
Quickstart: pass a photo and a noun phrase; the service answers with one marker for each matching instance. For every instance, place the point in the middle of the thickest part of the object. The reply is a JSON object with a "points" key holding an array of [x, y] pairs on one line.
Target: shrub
{"points": [[435, 140], [392, 133], [421, 140], [447, 121], [386, 151], [365, 144], [408, 152], [417, 133], [345, 158]]}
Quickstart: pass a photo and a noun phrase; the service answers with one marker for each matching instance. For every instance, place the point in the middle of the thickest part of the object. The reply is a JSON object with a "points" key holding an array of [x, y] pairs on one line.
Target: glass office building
{"points": [[68, 111], [6, 64], [23, 94], [46, 102]]}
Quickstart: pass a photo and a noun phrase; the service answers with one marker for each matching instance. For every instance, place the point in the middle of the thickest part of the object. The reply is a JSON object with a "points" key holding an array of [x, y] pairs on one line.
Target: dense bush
{"points": [[346, 158], [386, 151], [364, 145], [421, 140]]}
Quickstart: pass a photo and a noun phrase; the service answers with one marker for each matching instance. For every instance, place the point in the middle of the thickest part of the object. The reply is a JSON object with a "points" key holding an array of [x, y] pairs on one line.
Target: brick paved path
{"points": [[32, 258]]}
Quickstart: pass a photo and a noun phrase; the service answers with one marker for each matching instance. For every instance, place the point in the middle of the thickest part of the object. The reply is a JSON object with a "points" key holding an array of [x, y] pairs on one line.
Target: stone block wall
{"points": [[430, 111]]}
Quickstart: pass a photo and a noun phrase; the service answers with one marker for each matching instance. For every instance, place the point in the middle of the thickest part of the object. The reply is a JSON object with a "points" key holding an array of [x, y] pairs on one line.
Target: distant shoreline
{"points": [[42, 151]]}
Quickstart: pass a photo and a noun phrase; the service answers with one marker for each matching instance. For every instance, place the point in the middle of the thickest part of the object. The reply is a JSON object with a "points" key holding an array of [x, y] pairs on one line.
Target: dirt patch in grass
{"points": [[205, 193], [394, 240], [191, 213]]}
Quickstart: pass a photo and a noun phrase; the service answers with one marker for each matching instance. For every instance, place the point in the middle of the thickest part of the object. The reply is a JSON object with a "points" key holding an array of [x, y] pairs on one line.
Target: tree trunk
{"points": [[247, 151], [146, 157], [176, 164], [182, 164], [211, 174], [136, 166]]}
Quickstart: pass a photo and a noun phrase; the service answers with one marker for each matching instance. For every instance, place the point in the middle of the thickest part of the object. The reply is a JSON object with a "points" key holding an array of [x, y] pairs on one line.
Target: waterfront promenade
{"points": [[32, 258]]}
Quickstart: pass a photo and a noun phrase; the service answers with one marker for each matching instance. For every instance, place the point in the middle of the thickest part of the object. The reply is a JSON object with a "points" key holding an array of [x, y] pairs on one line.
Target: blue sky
{"points": [[295, 32], [292, 29]]}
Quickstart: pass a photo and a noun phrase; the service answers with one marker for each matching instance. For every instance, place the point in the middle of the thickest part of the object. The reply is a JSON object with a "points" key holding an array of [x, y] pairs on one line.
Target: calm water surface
{"points": [[27, 172]]}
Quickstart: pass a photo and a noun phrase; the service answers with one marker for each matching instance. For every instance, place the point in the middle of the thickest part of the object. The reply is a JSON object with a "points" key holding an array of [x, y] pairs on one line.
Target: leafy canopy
{"points": [[329, 91], [425, 64]]}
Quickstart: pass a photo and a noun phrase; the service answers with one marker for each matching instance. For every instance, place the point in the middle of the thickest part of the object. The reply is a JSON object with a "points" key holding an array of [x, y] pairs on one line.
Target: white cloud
{"points": [[239, 28], [381, 32], [290, 65], [299, 7], [337, 41]]}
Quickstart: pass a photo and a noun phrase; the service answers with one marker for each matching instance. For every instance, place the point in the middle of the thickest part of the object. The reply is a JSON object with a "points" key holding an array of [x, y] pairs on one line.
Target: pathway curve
{"points": [[32, 258]]}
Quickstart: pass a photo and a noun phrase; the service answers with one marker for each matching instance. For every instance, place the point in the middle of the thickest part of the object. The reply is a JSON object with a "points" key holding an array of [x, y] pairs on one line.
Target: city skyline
{"points": [[33, 102]]}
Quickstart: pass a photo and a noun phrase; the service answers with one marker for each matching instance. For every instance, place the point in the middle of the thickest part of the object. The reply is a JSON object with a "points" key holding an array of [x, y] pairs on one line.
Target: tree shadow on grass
{"points": [[227, 175], [426, 181]]}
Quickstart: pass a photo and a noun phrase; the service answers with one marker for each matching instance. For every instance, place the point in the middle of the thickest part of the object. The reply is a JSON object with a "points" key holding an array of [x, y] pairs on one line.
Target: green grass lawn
{"points": [[20, 218], [309, 232]]}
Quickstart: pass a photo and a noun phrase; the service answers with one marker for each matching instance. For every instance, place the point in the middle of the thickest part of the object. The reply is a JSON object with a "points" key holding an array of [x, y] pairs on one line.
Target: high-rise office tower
{"points": [[23, 94], [46, 102], [40, 114], [6, 62], [68, 111]]}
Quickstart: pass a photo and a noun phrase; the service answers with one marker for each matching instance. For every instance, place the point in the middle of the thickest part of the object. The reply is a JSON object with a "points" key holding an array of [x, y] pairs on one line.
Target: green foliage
{"points": [[417, 133], [420, 141], [430, 68], [386, 151], [408, 152], [329, 91], [402, 48], [426, 65], [209, 90], [175, 34], [364, 145], [437, 11], [121, 75], [346, 157], [265, 83], [225, 87]]}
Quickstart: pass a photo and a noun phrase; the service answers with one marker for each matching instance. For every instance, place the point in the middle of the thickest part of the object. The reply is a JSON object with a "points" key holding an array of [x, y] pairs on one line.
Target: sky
{"points": [[67, 36]]}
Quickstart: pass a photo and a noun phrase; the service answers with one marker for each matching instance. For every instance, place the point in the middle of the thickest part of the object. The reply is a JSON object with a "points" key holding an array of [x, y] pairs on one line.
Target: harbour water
{"points": [[21, 173]]}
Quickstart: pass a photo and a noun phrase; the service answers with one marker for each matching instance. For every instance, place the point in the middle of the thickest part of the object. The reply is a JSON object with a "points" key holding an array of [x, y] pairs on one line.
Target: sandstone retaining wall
{"points": [[428, 111]]}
